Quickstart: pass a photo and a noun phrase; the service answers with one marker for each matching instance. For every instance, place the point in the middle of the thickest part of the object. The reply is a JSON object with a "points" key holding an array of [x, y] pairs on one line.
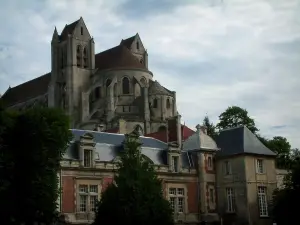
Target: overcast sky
{"points": [[214, 53]]}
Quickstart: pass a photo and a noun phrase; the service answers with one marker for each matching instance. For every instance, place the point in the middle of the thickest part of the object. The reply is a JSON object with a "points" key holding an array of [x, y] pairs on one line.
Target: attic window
{"points": [[137, 45], [81, 30]]}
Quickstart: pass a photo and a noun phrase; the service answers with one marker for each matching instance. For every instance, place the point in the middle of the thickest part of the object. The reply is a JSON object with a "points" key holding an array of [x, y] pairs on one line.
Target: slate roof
{"points": [[69, 28], [27, 90], [241, 140], [117, 58], [199, 140], [108, 146]]}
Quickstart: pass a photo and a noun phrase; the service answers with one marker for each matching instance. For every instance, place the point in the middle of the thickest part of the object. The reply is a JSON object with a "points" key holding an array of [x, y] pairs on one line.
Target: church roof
{"points": [[69, 28], [155, 88], [240, 140], [117, 58], [27, 90], [128, 42]]}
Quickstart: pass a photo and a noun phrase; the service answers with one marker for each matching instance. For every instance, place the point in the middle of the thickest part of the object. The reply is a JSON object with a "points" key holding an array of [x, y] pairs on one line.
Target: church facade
{"points": [[97, 90], [113, 93]]}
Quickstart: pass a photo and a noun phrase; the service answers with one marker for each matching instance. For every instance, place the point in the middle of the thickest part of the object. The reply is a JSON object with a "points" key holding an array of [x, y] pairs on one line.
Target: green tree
{"points": [[235, 116], [135, 196], [31, 150], [282, 148], [211, 128], [285, 210]]}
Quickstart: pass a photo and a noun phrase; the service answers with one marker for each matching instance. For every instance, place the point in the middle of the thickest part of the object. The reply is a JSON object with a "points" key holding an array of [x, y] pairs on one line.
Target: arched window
{"points": [[97, 92], [155, 103], [168, 103], [125, 85], [78, 55], [85, 58], [108, 82]]}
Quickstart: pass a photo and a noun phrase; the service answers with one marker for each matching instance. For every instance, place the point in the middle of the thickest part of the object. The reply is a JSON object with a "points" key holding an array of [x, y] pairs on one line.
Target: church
{"points": [[112, 93]]}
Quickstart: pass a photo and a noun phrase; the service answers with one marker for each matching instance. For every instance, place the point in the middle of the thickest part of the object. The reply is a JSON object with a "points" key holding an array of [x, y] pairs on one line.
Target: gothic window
{"points": [[137, 45], [168, 103], [97, 92], [108, 82], [155, 103], [85, 58], [125, 85], [81, 30], [78, 55]]}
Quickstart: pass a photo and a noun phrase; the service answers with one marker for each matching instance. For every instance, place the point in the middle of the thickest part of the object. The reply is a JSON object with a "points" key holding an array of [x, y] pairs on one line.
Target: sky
{"points": [[213, 53]]}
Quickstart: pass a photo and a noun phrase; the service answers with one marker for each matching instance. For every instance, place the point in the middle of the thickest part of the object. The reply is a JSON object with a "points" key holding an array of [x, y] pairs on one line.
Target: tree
{"points": [[211, 128], [31, 150], [235, 116], [285, 211], [135, 196], [282, 148]]}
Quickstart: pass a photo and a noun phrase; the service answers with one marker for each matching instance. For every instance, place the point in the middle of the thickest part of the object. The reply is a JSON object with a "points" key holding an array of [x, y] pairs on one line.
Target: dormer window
{"points": [[81, 30], [87, 158]]}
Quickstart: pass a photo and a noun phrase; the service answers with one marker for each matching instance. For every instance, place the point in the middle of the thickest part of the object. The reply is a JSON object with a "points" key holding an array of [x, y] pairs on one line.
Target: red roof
{"points": [[162, 135]]}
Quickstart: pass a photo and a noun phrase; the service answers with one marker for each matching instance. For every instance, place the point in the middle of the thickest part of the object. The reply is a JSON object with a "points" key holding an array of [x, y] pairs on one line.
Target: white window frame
{"points": [[260, 166], [262, 201], [230, 200], [227, 168], [88, 192], [177, 198]]}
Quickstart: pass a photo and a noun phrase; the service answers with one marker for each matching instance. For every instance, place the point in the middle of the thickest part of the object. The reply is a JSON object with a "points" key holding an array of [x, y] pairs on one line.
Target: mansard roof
{"points": [[108, 146], [117, 58], [240, 140], [27, 90]]}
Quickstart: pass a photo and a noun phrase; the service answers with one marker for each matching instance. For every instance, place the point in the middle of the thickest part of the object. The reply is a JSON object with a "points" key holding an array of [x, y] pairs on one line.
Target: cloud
{"points": [[214, 53]]}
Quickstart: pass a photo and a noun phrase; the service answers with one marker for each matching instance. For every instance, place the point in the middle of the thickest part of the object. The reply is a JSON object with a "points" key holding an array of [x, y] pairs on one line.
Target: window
{"points": [[155, 103], [168, 103], [78, 55], [230, 200], [87, 158], [177, 199], [209, 162], [125, 85], [85, 58], [262, 201], [175, 164], [81, 30], [259, 166], [88, 196], [227, 168], [211, 195], [108, 82], [137, 45], [97, 92]]}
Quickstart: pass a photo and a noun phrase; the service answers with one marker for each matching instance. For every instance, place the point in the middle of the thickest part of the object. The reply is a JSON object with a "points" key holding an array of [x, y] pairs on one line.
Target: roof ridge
{"points": [[26, 82]]}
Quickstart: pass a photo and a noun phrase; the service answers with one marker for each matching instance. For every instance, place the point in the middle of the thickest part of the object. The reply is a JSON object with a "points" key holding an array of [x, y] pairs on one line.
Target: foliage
{"points": [[282, 148], [285, 201], [235, 116], [211, 128], [32, 145], [136, 196]]}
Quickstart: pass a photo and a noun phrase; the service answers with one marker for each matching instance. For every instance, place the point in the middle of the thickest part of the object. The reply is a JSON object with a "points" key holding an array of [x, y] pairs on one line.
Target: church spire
{"points": [[55, 36]]}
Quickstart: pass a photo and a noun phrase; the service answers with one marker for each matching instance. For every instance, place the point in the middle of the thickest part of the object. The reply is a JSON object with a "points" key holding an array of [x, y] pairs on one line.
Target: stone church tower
{"points": [[113, 89]]}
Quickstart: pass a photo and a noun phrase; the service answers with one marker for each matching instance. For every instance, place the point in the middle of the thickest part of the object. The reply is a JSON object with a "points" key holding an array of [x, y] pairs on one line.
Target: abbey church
{"points": [[229, 180], [97, 90]]}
